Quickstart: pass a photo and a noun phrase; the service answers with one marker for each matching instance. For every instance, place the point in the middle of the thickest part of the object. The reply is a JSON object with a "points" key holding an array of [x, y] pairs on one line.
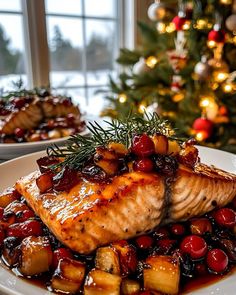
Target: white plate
{"points": [[12, 170], [13, 150]]}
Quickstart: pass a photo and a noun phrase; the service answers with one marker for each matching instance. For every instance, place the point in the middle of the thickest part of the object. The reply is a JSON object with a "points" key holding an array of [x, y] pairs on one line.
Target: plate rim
{"points": [[42, 291]]}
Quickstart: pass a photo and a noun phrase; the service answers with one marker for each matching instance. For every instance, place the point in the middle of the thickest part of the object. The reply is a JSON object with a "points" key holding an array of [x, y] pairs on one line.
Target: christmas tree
{"points": [[184, 70]]}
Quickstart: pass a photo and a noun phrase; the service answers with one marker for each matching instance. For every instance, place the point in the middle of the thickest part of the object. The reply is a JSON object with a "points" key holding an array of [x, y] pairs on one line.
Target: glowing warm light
{"points": [[178, 97], [151, 61], [161, 27], [186, 26], [170, 28], [220, 76], [201, 135], [142, 108], [211, 44], [226, 2], [205, 102], [122, 98], [228, 88]]}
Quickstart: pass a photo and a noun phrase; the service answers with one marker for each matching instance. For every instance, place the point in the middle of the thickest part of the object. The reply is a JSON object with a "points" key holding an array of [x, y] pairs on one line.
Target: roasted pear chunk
{"points": [[8, 196], [11, 251], [162, 274], [160, 143], [68, 276], [36, 255], [130, 287], [107, 259], [100, 282], [107, 160]]}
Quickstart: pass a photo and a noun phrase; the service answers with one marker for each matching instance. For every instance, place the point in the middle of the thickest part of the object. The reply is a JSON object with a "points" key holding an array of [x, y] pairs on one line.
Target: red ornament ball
{"points": [[216, 36], [179, 22], [203, 124]]}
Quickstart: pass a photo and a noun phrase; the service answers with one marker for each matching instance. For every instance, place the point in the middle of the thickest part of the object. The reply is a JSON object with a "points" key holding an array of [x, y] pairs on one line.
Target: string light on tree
{"points": [[151, 61], [122, 98], [142, 107], [161, 27], [226, 2]]}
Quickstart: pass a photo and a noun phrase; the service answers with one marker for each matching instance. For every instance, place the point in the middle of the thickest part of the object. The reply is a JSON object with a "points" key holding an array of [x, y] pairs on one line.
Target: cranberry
{"points": [[217, 260], [60, 253], [177, 229], [66, 102], [71, 118], [144, 242], [24, 215], [165, 245], [142, 145], [225, 217], [143, 165], [195, 246], [19, 132], [201, 269], [200, 226], [18, 102], [25, 229], [44, 163], [161, 233]]}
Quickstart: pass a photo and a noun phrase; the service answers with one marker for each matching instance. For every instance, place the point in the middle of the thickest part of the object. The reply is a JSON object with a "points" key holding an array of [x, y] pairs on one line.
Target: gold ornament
{"points": [[178, 97], [220, 70], [160, 11]]}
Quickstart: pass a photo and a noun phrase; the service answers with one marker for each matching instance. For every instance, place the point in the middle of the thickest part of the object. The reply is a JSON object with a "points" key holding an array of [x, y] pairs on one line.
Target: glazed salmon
{"points": [[91, 214]]}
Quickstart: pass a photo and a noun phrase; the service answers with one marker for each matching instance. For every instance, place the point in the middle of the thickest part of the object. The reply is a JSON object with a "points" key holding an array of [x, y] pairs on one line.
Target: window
{"points": [[12, 59], [81, 36]]}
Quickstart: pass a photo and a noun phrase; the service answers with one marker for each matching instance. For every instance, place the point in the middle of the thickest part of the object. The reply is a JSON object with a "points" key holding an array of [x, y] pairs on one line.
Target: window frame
{"points": [[37, 50]]}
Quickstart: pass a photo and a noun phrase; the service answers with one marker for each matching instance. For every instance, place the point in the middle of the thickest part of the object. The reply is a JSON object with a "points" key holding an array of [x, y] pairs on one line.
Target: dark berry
{"points": [[2, 236], [200, 269], [1, 213], [217, 260], [142, 145], [225, 217], [165, 246], [166, 165], [177, 229], [144, 242], [19, 132], [65, 179], [44, 163], [24, 215], [25, 229], [195, 246], [161, 233], [143, 165]]}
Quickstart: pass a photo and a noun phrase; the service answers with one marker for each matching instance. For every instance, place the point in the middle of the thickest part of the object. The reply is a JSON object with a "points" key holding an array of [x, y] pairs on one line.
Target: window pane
{"points": [[96, 102], [66, 51], [10, 5], [63, 6], [12, 63], [77, 95], [100, 50], [102, 8]]}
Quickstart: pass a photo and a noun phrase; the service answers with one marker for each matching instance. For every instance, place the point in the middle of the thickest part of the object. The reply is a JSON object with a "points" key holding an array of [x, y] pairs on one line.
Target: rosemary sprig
{"points": [[80, 149]]}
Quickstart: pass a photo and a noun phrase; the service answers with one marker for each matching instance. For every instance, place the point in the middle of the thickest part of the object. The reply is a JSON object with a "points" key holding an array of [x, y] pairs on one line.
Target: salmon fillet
{"points": [[92, 214]]}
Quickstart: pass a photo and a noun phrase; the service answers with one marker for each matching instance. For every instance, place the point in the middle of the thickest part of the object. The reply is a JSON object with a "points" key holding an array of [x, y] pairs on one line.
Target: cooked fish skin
{"points": [[92, 214]]}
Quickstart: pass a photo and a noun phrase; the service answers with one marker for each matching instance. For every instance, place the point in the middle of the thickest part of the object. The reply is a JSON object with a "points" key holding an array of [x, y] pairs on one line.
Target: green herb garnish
{"points": [[79, 149]]}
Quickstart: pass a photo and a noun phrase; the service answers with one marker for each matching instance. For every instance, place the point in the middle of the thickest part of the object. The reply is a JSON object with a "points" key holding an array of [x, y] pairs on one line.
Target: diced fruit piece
{"points": [[143, 145], [68, 276], [162, 274], [54, 134], [24, 215], [118, 148], [1, 212], [217, 260], [34, 137], [107, 259], [130, 287], [173, 147], [225, 217], [200, 226], [11, 251], [8, 196], [65, 179], [36, 255], [2, 236], [195, 246], [16, 207], [127, 256], [109, 166], [229, 247], [44, 182], [100, 282], [103, 153], [19, 132], [94, 173], [161, 144], [45, 162], [143, 165], [189, 156], [177, 229], [25, 229], [60, 253], [144, 242]]}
